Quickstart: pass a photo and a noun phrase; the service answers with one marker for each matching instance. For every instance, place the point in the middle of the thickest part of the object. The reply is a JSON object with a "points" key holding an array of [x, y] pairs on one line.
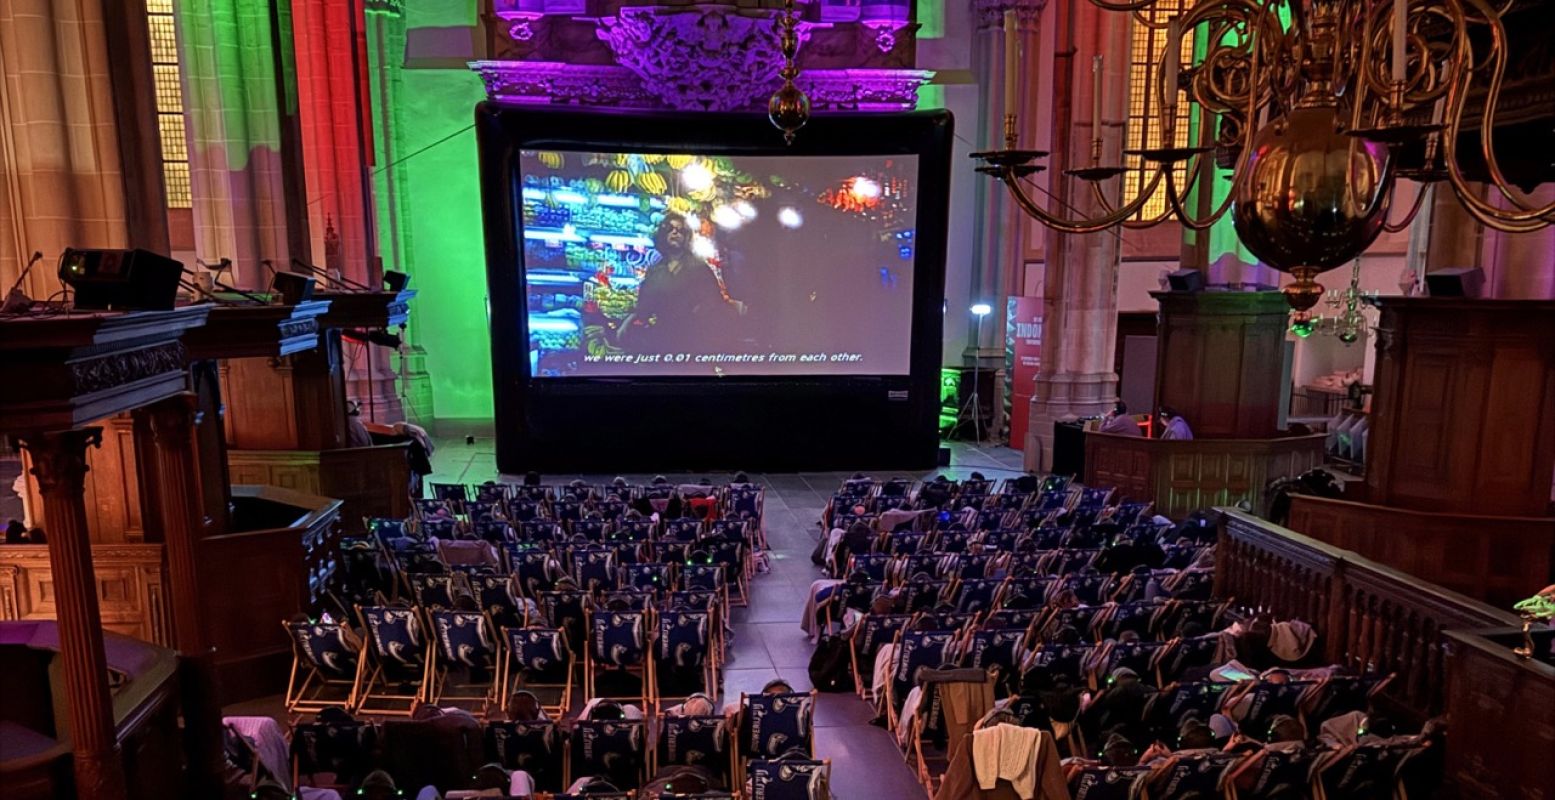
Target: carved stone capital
{"points": [[59, 458], [172, 421], [990, 13]]}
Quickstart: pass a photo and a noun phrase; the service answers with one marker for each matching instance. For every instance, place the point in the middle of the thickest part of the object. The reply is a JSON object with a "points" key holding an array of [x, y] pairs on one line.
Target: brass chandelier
{"points": [[1312, 118]]}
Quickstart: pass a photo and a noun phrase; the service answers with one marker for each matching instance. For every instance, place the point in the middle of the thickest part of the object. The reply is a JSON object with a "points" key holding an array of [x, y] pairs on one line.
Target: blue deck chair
{"points": [[734, 529], [493, 492], [450, 492], [872, 632], [1196, 652], [979, 594], [946, 620], [568, 610], [495, 531], [619, 642], [1022, 618], [1173, 614], [771, 725], [431, 506], [903, 568], [1034, 588], [629, 599], [534, 569], [1193, 777], [1106, 783], [995, 647], [1001, 539], [706, 577], [567, 509], [592, 528], [1166, 711], [871, 564], [733, 556], [325, 670], [1190, 584], [386, 529], [1081, 618], [539, 531], [656, 577], [916, 650], [344, 748], [612, 509], [631, 529], [1372, 771], [686, 650], [594, 568], [365, 570], [1068, 662], [1091, 588], [415, 555], [482, 510], [432, 590], [495, 595], [463, 667], [952, 541], [613, 750], [440, 527], [692, 600], [1342, 694], [790, 779], [525, 509], [1276, 773], [905, 543], [1140, 657], [395, 669], [539, 660], [704, 742], [1124, 616], [1266, 700], [534, 747], [921, 595], [1179, 556], [684, 529]]}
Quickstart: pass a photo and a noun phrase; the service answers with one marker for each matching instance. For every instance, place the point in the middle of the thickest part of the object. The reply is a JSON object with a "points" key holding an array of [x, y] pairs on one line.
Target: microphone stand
{"points": [[17, 300], [313, 270], [219, 285]]}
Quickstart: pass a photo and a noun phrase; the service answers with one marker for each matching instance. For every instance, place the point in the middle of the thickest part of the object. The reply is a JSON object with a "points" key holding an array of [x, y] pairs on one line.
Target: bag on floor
{"points": [[831, 670]]}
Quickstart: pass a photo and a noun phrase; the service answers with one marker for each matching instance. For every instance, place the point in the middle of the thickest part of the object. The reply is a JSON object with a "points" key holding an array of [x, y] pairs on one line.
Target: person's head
{"points": [[777, 686], [1195, 735], [1123, 676], [524, 707], [1285, 728], [1168, 413], [270, 789], [1119, 752], [740, 477], [378, 785], [673, 235], [607, 711], [531, 478], [860, 529], [660, 480], [492, 776], [1066, 635], [698, 705], [1277, 676], [464, 602], [1128, 636], [882, 604], [619, 482], [978, 476], [1119, 409], [15, 532]]}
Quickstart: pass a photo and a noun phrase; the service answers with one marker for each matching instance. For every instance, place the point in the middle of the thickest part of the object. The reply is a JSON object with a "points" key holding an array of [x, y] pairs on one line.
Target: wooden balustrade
{"points": [[1366, 614]]}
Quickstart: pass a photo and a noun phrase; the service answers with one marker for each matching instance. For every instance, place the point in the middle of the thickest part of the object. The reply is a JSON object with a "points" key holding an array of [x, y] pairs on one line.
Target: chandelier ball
{"points": [[1313, 198], [789, 109]]}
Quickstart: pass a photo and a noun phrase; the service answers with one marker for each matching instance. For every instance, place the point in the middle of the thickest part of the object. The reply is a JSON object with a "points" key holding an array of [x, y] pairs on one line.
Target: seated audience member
{"points": [[602, 710], [438, 747], [859, 539], [697, 705], [1174, 426], [1119, 752], [1118, 422], [1118, 709], [774, 686], [523, 706], [15, 532], [378, 785], [492, 780]]}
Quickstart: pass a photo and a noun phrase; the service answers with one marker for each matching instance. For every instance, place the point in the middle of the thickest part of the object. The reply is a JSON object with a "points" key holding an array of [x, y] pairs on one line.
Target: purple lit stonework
{"points": [[705, 57]]}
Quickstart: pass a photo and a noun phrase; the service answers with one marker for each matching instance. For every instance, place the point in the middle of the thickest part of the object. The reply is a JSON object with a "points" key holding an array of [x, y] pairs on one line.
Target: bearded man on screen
{"points": [[681, 305]]}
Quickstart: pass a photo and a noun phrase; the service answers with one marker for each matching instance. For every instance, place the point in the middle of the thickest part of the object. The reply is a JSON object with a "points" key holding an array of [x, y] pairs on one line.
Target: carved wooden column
{"points": [[167, 441], [59, 464]]}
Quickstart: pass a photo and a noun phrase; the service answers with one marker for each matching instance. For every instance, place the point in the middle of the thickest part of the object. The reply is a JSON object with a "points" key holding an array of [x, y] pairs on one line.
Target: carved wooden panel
{"points": [[1495, 559], [1464, 410], [113, 506], [1488, 689], [130, 580], [1184, 476], [261, 404], [297, 470], [1218, 361]]}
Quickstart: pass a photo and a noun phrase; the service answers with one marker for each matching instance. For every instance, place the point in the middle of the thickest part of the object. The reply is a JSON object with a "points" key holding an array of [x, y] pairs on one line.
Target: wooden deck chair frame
{"points": [[437, 690], [370, 671], [739, 762], [646, 672], [712, 667], [298, 700], [511, 679]]}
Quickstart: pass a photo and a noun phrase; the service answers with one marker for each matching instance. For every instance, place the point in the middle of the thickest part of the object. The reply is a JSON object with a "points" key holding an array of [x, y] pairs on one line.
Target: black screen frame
{"points": [[597, 422]]}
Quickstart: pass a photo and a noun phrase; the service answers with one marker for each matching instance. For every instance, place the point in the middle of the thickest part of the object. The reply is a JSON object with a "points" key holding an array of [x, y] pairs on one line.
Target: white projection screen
{"points": [[694, 265]]}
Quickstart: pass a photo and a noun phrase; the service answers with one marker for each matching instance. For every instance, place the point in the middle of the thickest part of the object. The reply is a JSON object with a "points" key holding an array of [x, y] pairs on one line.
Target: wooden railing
{"points": [[1367, 615], [1183, 476]]}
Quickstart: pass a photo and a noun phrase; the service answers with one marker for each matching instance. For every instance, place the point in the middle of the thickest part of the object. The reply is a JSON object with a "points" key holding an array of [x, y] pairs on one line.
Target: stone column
{"points": [[236, 92], [61, 179], [59, 464], [998, 246], [1080, 288], [386, 31], [165, 436]]}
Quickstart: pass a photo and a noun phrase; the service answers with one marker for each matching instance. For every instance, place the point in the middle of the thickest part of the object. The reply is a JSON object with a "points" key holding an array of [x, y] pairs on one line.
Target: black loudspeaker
{"points": [[943, 458], [395, 281], [1186, 280], [120, 280], [1458, 282], [292, 288]]}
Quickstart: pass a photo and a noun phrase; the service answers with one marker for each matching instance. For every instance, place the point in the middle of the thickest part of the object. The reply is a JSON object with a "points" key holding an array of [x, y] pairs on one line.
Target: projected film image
{"points": [[697, 265]]}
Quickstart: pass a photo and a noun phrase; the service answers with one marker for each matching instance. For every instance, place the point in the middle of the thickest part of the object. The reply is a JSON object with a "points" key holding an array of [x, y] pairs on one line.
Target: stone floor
{"points": [[768, 643]]}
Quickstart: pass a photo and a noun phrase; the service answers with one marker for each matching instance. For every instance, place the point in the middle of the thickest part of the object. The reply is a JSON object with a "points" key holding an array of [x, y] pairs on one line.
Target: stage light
{"points": [[864, 189], [982, 309], [789, 217], [745, 209], [697, 177], [702, 247], [727, 218]]}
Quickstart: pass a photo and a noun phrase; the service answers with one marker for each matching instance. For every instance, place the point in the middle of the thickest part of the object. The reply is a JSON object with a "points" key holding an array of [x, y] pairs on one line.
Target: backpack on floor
{"points": [[831, 670]]}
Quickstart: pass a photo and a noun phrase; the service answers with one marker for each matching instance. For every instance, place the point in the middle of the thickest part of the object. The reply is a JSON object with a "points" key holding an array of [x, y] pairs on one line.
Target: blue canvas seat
{"points": [[921, 595], [325, 667], [438, 527], [916, 650], [1193, 777], [704, 742], [1138, 656], [619, 643], [594, 568], [568, 610], [872, 632], [495, 531], [539, 660], [975, 595], [592, 528], [1193, 653], [686, 657], [905, 543], [871, 564], [432, 590], [731, 555], [656, 577], [1368, 771], [613, 750], [995, 647], [771, 725], [790, 779], [1276, 773], [462, 668], [1061, 663], [1022, 618], [1106, 783], [628, 600], [534, 747], [1166, 711], [397, 662], [495, 594]]}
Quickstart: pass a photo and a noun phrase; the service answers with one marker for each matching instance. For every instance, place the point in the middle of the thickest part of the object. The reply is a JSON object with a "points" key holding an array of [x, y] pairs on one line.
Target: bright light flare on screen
{"points": [[745, 209], [703, 248], [697, 177], [727, 218], [864, 189], [789, 217]]}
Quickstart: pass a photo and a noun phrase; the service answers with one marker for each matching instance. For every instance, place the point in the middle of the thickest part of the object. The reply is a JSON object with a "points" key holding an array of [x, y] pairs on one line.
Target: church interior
{"points": [[777, 399]]}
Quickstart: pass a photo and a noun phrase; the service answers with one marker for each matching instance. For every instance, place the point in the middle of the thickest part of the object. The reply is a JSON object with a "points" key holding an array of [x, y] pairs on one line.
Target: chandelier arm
{"points": [[1413, 210], [1093, 225], [1135, 5]]}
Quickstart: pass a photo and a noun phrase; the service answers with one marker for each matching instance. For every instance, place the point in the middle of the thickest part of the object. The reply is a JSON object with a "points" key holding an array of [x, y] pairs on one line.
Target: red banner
{"points": [[1022, 358]]}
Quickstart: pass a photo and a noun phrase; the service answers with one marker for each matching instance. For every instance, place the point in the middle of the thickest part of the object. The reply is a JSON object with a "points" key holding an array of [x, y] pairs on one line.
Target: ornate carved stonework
{"points": [[990, 13], [700, 58], [617, 87], [118, 369], [298, 327], [59, 459]]}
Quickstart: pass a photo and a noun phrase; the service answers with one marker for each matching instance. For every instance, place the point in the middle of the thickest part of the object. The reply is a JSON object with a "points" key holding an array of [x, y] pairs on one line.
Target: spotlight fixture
{"points": [[982, 309]]}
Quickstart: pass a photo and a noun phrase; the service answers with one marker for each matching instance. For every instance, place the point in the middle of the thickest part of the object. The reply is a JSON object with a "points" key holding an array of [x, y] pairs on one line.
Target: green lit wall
{"points": [[445, 247]]}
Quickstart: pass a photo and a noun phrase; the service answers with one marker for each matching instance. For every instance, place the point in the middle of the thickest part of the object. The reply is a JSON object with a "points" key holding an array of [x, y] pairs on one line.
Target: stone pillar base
{"points": [[1059, 398]]}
